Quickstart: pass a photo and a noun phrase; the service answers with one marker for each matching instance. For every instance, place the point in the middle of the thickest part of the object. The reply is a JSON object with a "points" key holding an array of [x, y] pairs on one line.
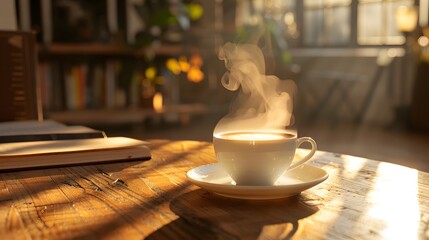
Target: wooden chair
{"points": [[19, 88]]}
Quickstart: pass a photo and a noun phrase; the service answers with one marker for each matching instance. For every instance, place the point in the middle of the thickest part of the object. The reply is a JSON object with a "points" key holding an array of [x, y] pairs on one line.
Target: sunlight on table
{"points": [[353, 165], [394, 199]]}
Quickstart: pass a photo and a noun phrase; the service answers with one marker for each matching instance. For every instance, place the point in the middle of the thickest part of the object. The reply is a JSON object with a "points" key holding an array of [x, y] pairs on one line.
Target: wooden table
{"points": [[361, 199]]}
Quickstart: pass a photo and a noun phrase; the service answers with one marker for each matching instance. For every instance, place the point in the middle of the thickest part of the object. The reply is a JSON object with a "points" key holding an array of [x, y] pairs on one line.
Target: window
{"points": [[376, 22], [277, 16], [330, 23], [326, 22]]}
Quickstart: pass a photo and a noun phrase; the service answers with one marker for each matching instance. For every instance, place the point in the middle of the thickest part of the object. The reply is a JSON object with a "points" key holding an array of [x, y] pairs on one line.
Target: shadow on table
{"points": [[204, 215], [51, 177], [28, 182]]}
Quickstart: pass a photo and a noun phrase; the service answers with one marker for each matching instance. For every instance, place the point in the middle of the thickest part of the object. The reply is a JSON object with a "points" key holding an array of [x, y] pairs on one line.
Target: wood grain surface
{"points": [[361, 199]]}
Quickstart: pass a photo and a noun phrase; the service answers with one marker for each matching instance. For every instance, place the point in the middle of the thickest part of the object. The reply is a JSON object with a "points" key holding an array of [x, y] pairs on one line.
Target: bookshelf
{"points": [[97, 74], [65, 61], [102, 49], [84, 49], [182, 112]]}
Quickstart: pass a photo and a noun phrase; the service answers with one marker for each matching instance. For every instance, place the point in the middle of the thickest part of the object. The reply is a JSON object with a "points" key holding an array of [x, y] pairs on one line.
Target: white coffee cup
{"points": [[259, 158]]}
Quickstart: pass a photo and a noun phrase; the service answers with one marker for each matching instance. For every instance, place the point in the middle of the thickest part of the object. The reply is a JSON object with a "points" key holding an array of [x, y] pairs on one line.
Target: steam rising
{"points": [[263, 103]]}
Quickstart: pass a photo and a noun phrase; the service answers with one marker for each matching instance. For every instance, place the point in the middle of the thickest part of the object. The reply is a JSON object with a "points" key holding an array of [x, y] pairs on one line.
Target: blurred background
{"points": [[149, 69]]}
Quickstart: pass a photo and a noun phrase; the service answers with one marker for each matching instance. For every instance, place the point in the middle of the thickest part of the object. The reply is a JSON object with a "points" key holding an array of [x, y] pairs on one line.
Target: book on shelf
{"points": [[76, 87], [82, 85], [45, 80], [33, 144]]}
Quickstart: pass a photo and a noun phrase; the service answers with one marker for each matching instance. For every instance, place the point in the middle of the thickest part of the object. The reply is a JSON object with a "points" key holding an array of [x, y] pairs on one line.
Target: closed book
{"points": [[31, 144], [52, 136], [27, 131], [37, 154]]}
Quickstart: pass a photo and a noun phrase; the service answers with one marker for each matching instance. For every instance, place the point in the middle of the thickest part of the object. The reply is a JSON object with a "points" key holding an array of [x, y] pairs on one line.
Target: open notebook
{"points": [[64, 146]]}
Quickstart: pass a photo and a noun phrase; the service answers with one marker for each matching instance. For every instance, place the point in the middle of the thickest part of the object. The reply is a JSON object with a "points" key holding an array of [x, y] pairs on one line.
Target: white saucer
{"points": [[212, 178]]}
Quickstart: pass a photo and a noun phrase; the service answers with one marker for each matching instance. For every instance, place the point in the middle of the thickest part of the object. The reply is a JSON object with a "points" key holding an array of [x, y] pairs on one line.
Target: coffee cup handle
{"points": [[305, 159]]}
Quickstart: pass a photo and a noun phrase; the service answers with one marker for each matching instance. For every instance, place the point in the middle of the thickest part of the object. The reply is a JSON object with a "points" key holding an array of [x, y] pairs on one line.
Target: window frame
{"points": [[354, 27]]}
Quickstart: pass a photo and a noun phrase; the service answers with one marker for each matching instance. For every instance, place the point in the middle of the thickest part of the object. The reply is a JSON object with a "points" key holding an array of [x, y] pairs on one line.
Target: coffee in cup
{"points": [[259, 158]]}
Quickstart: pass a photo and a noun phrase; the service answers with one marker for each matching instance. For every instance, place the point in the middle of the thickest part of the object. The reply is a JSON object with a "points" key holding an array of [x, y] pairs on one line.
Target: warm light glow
{"points": [[157, 102], [423, 41], [195, 75], [183, 63], [289, 18], [195, 11], [253, 136], [150, 72], [173, 65], [352, 165], [394, 199], [406, 18]]}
